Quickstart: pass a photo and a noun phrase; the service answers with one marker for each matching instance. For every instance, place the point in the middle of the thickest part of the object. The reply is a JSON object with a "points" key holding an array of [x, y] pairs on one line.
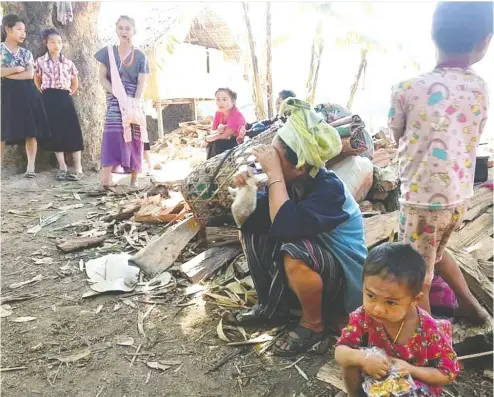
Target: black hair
{"points": [[232, 94], [290, 155], [9, 21], [399, 261], [45, 34], [286, 94], [458, 27], [128, 19]]}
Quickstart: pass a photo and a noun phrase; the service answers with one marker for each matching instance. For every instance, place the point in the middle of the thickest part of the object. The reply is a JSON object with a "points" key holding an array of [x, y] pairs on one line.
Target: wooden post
{"points": [[194, 110], [159, 112], [269, 77]]}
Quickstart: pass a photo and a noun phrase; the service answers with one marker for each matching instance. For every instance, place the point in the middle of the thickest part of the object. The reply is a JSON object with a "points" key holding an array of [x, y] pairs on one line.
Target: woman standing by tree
{"points": [[23, 115], [133, 69]]}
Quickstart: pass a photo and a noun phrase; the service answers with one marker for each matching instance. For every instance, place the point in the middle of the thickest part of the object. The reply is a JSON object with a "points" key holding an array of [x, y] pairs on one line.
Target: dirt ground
{"points": [[66, 324]]}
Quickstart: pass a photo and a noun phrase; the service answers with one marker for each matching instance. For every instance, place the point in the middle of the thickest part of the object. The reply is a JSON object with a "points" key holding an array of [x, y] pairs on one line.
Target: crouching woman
{"points": [[305, 240]]}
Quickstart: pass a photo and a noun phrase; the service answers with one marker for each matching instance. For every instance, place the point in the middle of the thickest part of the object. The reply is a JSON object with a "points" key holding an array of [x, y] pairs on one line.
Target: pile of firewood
{"points": [[184, 142]]}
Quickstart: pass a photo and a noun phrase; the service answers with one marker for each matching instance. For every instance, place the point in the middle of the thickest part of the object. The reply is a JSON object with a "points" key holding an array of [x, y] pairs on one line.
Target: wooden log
{"points": [[206, 264], [479, 202], [331, 374], [472, 232], [479, 284], [215, 235], [159, 255], [77, 244], [379, 228]]}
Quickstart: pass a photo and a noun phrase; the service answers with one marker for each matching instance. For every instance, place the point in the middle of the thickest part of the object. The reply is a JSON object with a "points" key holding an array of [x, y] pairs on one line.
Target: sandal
{"points": [[305, 339], [61, 175], [75, 176], [30, 174], [252, 317]]}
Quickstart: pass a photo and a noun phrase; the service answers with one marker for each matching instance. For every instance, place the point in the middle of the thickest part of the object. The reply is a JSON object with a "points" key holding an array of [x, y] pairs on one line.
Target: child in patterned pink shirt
{"points": [[437, 119], [389, 319]]}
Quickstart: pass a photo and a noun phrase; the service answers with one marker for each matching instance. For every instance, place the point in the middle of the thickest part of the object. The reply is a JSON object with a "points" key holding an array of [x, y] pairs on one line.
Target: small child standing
{"points": [[414, 342], [437, 119], [56, 78]]}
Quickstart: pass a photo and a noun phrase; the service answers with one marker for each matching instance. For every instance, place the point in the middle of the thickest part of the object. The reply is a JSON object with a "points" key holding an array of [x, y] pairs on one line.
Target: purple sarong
{"points": [[114, 151]]}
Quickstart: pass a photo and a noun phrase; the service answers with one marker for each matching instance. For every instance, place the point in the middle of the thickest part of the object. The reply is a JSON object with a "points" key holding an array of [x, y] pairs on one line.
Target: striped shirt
{"points": [[56, 74]]}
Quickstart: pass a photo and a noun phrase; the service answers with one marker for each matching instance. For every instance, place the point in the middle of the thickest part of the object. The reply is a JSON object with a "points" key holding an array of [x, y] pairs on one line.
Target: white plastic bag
{"points": [[356, 172]]}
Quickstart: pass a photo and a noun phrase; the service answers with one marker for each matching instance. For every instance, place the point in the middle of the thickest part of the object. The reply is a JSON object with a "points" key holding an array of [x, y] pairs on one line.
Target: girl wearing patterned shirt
{"points": [[56, 77], [23, 115], [414, 342], [437, 119]]}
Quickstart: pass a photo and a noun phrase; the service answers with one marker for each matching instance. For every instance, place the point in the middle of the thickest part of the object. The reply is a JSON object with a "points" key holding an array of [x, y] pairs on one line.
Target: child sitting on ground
{"points": [[414, 342], [437, 119]]}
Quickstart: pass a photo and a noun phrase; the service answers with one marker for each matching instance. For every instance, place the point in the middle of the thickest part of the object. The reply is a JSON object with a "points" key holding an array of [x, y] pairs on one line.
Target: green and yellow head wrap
{"points": [[314, 141]]}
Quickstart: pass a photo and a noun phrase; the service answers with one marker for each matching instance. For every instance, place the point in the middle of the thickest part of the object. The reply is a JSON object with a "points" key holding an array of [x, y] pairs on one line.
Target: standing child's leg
{"points": [[133, 180], [149, 162], [77, 162], [62, 166], [31, 149], [353, 380], [2, 148], [106, 177], [419, 227]]}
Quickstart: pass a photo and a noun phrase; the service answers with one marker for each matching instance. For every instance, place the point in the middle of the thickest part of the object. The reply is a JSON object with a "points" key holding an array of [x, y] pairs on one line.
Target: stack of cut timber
{"points": [[385, 191]]}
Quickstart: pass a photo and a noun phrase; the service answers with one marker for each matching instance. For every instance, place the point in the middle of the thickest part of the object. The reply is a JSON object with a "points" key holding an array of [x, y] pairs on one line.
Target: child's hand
{"points": [[19, 69], [401, 365], [376, 366], [221, 128]]}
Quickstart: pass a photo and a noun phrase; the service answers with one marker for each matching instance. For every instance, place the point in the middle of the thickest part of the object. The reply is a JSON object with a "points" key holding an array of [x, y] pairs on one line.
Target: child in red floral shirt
{"points": [[390, 320]]}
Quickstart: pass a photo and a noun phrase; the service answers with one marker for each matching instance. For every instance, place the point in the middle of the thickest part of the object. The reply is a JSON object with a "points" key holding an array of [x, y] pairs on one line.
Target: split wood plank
{"points": [[127, 211], [155, 212], [330, 373], [206, 264], [482, 250], [479, 284], [160, 254], [472, 232], [480, 201], [77, 244], [215, 235], [487, 268], [379, 228]]}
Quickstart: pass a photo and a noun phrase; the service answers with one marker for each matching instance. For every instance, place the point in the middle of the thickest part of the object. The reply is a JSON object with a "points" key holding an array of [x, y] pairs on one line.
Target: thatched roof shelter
{"points": [[183, 23]]}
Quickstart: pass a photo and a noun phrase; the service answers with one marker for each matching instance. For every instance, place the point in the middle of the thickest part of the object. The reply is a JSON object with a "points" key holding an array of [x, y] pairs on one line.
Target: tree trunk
{"points": [[361, 69], [80, 42], [315, 62], [269, 76], [258, 95]]}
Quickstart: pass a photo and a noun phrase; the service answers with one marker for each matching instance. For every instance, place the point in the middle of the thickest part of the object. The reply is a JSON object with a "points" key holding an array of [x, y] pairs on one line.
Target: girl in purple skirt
{"points": [[133, 68]]}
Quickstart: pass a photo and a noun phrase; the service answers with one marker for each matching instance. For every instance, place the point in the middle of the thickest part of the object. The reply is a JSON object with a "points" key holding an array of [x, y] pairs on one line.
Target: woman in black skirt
{"points": [[23, 115], [56, 77]]}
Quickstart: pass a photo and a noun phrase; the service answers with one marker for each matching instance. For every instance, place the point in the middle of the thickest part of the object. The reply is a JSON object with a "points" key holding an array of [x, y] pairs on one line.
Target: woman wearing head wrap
{"points": [[305, 240]]}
